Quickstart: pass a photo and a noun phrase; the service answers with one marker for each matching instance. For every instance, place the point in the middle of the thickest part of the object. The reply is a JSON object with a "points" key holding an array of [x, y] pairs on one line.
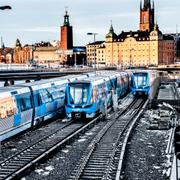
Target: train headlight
{"points": [[69, 115]]}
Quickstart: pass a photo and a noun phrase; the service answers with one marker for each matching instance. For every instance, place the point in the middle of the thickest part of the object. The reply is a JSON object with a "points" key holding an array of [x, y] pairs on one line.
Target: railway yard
{"points": [[133, 141]]}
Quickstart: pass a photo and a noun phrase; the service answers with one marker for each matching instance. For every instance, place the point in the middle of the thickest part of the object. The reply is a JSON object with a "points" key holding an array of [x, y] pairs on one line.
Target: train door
{"points": [[58, 95], [39, 109], [109, 93], [25, 107], [47, 102]]}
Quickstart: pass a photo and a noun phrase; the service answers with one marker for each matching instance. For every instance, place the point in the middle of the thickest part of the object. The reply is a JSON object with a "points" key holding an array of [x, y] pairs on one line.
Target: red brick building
{"points": [[66, 40], [6, 55]]}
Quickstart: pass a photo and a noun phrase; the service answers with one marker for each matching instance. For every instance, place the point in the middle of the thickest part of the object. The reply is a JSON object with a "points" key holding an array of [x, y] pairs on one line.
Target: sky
{"points": [[39, 20]]}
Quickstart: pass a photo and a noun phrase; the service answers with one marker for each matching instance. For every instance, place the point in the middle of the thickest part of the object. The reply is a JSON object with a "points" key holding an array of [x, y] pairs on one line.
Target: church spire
{"points": [[153, 5], [147, 4], [66, 19]]}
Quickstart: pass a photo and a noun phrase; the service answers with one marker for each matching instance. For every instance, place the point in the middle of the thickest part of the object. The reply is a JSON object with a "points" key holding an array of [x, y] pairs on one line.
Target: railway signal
{"points": [[177, 142]]}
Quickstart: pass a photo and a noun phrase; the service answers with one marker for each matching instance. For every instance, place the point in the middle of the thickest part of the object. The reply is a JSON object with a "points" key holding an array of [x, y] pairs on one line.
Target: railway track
{"points": [[16, 165], [101, 158]]}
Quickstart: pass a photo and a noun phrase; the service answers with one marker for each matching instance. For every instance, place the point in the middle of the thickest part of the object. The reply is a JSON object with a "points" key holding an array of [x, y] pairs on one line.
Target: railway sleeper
{"points": [[97, 163], [96, 171], [90, 177], [94, 167], [102, 156]]}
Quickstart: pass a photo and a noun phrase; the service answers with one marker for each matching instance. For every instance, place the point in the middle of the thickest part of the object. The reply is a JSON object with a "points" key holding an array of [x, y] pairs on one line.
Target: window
{"points": [[45, 96], [37, 100], [25, 102], [78, 93], [7, 107]]}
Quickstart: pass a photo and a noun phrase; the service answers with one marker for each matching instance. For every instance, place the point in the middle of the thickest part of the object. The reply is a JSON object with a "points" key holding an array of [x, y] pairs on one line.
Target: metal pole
{"points": [[94, 52], [130, 58], [75, 60]]}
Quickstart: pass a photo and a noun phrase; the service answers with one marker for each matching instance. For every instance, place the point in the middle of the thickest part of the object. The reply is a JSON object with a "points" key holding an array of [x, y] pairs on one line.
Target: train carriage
{"points": [[91, 96], [15, 111], [145, 82], [26, 105]]}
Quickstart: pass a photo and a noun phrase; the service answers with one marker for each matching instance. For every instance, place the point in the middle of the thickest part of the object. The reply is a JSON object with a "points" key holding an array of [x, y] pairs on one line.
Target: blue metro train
{"points": [[88, 97], [145, 82], [26, 105]]}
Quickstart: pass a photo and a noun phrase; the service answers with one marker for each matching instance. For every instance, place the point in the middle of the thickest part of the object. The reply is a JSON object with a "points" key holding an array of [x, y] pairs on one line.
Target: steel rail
{"points": [[93, 146], [123, 151], [15, 166]]}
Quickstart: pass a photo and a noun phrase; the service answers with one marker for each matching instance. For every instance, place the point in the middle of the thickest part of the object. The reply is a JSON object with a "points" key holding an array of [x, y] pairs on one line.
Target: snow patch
{"points": [[156, 167], [23, 178], [49, 168], [14, 149], [46, 173], [66, 120], [81, 140], [39, 171], [65, 150], [89, 133]]}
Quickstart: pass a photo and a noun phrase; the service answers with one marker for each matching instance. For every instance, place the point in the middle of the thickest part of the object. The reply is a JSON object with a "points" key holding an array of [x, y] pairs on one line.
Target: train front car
{"points": [[140, 83], [79, 100]]}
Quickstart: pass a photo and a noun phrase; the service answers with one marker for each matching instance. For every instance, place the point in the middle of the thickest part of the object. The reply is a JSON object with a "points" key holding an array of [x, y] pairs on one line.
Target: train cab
{"points": [[140, 83]]}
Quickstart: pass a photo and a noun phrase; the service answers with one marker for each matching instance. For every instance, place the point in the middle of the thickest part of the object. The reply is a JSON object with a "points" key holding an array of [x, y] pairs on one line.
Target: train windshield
{"points": [[78, 93], [140, 79]]}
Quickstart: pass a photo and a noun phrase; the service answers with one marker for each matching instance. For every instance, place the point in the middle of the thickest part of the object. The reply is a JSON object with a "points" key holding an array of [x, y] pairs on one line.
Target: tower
{"points": [[146, 16], [66, 33]]}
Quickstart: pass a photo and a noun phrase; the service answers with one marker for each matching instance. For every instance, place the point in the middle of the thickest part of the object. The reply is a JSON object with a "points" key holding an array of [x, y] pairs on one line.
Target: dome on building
{"points": [[111, 33], [18, 43]]}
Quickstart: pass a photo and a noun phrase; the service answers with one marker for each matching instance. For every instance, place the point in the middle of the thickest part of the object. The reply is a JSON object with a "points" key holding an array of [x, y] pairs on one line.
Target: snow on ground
{"points": [[146, 158]]}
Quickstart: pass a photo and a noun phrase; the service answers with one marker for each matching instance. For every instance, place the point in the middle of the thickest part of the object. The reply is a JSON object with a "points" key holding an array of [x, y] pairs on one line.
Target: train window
{"points": [[78, 93], [37, 100], [45, 96], [140, 79], [7, 107], [25, 102], [57, 93]]}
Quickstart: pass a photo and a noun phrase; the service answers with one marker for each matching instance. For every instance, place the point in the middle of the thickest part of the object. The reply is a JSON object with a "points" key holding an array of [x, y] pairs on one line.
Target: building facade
{"points": [[6, 55], [142, 48], [92, 55], [63, 52], [22, 54]]}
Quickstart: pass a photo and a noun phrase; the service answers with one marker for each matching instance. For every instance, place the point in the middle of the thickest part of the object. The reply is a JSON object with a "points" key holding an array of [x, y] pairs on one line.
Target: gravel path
{"points": [[146, 159]]}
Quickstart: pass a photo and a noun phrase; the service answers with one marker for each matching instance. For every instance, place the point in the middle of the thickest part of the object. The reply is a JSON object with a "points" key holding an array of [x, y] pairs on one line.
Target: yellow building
{"points": [[145, 47], [46, 55]]}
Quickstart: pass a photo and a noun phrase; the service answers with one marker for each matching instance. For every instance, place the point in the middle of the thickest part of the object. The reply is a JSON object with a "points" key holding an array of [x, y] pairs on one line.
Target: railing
{"points": [[15, 67]]}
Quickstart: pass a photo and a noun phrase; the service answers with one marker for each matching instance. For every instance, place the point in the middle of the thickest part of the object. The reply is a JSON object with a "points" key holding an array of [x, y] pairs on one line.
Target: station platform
{"points": [[175, 171], [168, 92]]}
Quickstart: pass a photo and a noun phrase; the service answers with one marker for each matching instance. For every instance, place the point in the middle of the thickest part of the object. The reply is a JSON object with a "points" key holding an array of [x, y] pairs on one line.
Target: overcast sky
{"points": [[39, 20]]}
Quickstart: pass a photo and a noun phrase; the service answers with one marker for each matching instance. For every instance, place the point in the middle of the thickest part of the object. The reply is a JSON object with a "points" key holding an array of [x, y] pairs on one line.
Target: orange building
{"points": [[22, 54]]}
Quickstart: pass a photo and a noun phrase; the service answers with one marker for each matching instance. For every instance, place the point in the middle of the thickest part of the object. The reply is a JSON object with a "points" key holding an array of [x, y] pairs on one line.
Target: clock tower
{"points": [[66, 34], [147, 16]]}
